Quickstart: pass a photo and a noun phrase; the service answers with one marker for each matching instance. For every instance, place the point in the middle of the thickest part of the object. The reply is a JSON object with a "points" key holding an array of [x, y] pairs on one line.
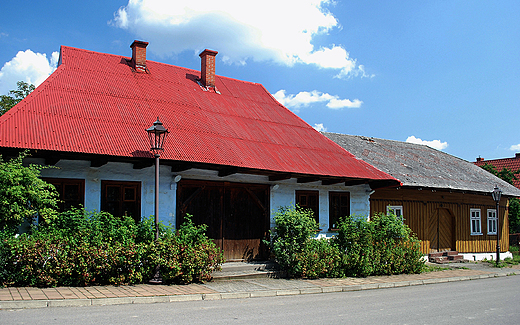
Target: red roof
{"points": [[512, 164], [95, 103]]}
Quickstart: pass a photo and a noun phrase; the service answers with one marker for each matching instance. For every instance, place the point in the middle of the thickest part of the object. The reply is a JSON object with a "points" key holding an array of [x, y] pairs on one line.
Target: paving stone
{"points": [[211, 296], [23, 304], [305, 291], [263, 293], [191, 297], [70, 303], [112, 301], [332, 289], [235, 295], [287, 292]]}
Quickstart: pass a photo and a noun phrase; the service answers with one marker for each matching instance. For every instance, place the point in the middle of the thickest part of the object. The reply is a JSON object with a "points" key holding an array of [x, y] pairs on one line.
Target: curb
{"points": [[30, 304]]}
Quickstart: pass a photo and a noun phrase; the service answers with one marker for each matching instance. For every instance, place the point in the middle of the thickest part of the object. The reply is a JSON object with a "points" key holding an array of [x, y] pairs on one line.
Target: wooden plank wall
{"points": [[421, 208]]}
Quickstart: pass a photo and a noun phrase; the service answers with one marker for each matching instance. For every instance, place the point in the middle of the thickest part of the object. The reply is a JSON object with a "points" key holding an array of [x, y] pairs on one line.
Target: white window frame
{"points": [[397, 210], [492, 221], [475, 222]]}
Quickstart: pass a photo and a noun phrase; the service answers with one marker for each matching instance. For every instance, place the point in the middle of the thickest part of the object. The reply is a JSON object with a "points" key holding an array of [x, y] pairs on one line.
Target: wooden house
{"points": [[233, 155], [446, 201]]}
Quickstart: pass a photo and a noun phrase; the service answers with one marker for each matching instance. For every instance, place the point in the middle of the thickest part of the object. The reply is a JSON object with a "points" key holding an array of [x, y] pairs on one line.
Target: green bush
{"points": [[296, 251], [384, 245], [396, 248], [80, 248], [355, 239]]}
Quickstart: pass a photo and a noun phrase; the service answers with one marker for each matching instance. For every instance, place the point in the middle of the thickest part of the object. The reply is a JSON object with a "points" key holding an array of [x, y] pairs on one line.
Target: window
{"points": [[491, 222], [121, 199], [397, 210], [309, 200], [71, 191], [339, 206], [475, 222]]}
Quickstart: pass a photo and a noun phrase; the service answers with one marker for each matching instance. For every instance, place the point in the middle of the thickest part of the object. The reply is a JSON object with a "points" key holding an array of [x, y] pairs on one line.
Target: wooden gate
{"points": [[442, 230], [237, 215]]}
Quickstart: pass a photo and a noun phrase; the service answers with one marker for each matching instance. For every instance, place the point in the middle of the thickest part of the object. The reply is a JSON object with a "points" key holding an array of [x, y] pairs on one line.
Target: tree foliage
{"points": [[505, 174], [509, 176], [23, 195], [15, 96]]}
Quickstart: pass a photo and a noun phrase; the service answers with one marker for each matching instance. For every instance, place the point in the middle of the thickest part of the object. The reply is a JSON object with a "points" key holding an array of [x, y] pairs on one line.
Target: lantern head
{"points": [[157, 134], [497, 193]]}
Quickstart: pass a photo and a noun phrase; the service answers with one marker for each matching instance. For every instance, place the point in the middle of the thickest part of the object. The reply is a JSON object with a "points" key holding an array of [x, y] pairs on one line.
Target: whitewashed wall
{"points": [[282, 195], [121, 172]]}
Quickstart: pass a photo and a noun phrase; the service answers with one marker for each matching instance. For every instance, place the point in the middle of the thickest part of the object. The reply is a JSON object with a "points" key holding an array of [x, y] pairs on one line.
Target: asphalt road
{"points": [[486, 301]]}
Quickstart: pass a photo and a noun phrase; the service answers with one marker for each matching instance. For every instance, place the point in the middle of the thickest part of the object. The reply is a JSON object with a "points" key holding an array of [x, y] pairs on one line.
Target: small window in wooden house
{"points": [[476, 228], [491, 222], [396, 210], [309, 200]]}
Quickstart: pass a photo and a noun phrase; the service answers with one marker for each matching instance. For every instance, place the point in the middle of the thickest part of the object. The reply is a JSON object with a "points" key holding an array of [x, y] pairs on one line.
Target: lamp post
{"points": [[157, 134], [497, 193]]}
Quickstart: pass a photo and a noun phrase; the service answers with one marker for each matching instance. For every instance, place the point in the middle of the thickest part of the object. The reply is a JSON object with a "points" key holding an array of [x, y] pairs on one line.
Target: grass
{"points": [[433, 268], [508, 262]]}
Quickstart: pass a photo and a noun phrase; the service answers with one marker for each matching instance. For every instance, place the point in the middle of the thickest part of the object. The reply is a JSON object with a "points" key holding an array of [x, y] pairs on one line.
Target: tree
{"points": [[505, 174], [508, 175], [23, 195], [15, 96]]}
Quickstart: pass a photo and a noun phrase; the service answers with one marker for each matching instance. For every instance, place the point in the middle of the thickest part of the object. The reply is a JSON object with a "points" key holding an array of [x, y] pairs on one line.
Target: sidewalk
{"points": [[16, 298]]}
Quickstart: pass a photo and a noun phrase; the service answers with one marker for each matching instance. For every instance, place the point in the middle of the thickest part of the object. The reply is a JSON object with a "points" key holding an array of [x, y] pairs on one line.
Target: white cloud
{"points": [[319, 127], [27, 66], [305, 98], [435, 144], [269, 30], [515, 147]]}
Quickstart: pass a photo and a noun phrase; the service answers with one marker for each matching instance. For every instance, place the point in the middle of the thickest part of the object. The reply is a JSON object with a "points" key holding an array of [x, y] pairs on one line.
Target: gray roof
{"points": [[418, 165]]}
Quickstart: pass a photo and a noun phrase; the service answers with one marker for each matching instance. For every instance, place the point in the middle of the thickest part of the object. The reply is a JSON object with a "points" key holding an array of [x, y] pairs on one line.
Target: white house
{"points": [[232, 157]]}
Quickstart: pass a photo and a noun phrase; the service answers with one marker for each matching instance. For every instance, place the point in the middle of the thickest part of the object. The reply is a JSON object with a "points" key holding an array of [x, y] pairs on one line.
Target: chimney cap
{"points": [[208, 52], [139, 43]]}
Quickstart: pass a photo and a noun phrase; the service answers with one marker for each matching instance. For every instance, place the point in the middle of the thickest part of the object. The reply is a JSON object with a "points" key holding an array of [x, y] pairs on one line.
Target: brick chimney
{"points": [[139, 55], [480, 159], [207, 68], [517, 155]]}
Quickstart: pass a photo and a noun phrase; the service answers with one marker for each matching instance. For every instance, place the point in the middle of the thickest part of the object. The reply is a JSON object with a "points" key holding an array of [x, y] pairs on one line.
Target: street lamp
{"points": [[157, 134], [497, 193]]}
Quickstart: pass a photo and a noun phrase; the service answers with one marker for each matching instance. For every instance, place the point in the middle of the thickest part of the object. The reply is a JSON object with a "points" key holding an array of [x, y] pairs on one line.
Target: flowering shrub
{"points": [[79, 248], [187, 255]]}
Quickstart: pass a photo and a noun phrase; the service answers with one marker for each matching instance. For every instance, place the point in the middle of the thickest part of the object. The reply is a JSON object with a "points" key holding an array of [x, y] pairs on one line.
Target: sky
{"points": [[437, 72]]}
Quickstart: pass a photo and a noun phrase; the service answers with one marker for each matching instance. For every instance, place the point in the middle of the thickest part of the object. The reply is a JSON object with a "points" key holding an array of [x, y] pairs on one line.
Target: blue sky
{"points": [[445, 73]]}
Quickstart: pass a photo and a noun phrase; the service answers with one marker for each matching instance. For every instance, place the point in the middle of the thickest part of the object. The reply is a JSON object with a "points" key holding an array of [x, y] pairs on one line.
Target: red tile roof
{"points": [[95, 103], [512, 164]]}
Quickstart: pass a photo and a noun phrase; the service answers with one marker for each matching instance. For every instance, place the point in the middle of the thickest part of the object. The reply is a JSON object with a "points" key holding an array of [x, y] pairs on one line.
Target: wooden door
{"points": [[236, 215], [442, 231]]}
